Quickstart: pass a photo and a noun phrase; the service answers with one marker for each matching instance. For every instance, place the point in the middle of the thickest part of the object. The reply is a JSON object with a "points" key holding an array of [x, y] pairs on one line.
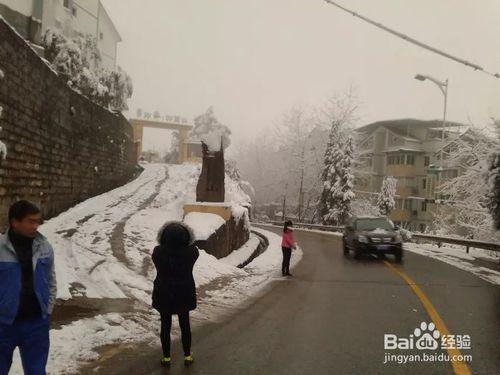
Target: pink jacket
{"points": [[287, 239]]}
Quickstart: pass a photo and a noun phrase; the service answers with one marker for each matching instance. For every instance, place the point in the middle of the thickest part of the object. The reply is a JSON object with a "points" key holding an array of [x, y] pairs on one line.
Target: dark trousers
{"points": [[166, 326], [287, 254], [32, 338]]}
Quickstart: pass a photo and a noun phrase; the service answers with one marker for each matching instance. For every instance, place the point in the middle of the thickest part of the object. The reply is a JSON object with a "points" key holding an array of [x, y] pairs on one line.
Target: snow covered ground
{"points": [[103, 248], [474, 262]]}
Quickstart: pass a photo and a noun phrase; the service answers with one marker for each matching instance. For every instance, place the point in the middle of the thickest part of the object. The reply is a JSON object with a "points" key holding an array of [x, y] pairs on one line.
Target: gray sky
{"points": [[254, 59]]}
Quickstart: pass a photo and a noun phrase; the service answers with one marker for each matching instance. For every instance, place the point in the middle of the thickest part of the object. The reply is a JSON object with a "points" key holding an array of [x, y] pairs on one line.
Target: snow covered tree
{"points": [[120, 89], [364, 206], [78, 60], [385, 200], [337, 180], [466, 200], [210, 131], [156, 115], [493, 180]]}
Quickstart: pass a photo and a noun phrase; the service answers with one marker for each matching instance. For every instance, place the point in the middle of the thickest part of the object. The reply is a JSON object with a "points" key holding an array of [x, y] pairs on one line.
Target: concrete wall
{"points": [[107, 39], [62, 148], [25, 7], [229, 237]]}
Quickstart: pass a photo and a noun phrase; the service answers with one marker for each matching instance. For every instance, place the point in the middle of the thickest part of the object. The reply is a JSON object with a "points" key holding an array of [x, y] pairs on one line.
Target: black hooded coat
{"points": [[174, 289]]}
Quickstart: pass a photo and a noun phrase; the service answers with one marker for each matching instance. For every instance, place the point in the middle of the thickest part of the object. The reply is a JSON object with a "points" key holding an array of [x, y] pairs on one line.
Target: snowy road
{"points": [[332, 316], [102, 252]]}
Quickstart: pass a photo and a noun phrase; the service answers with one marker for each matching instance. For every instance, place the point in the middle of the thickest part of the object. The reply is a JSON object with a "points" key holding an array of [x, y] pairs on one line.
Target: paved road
{"points": [[330, 318]]}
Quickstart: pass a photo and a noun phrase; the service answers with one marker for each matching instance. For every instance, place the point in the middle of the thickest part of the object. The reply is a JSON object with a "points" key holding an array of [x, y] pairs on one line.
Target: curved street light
{"points": [[443, 86]]}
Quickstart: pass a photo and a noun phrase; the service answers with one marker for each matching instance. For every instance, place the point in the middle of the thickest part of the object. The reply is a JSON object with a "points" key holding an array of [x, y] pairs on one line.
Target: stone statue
{"points": [[210, 186]]}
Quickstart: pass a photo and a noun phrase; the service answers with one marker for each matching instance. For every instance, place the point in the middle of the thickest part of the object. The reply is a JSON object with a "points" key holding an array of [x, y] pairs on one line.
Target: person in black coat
{"points": [[174, 290]]}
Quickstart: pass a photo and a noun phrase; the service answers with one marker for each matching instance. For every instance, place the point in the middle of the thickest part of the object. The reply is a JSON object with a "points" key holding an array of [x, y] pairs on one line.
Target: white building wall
{"points": [[107, 39], [87, 13], [82, 16], [24, 7]]}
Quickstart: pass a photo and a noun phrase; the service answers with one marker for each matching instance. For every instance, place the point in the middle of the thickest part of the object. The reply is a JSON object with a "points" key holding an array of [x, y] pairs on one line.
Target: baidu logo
{"points": [[426, 337]]}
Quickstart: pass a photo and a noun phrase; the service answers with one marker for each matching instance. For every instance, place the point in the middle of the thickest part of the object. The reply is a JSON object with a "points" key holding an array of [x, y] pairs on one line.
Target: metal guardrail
{"points": [[458, 241], [468, 243], [327, 228]]}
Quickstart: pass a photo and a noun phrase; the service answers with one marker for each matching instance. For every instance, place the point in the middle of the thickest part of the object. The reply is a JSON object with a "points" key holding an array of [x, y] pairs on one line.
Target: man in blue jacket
{"points": [[27, 290]]}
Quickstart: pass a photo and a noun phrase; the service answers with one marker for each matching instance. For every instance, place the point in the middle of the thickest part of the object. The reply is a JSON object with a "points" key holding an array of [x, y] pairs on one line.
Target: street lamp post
{"points": [[443, 86]]}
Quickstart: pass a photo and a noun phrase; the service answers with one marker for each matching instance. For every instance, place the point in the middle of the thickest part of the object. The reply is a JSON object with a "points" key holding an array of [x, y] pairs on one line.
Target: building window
{"points": [[400, 159], [101, 36], [73, 11], [407, 204], [423, 206], [66, 3], [424, 183], [427, 161]]}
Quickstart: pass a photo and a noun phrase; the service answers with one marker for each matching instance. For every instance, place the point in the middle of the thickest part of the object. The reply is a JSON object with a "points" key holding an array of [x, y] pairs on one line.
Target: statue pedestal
{"points": [[232, 235], [222, 209]]}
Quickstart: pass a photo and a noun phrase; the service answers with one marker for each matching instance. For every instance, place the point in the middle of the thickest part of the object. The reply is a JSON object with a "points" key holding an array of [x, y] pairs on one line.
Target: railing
{"points": [[326, 228], [492, 246], [459, 241]]}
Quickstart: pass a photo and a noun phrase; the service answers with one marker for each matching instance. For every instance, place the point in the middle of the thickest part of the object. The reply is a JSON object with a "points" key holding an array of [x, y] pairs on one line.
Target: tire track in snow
{"points": [[117, 240]]}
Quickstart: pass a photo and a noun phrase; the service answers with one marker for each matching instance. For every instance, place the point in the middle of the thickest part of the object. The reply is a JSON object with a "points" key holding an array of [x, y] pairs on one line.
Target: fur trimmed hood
{"points": [[176, 224]]}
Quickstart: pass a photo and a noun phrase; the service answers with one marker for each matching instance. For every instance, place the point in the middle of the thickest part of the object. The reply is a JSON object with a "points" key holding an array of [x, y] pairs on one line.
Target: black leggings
{"points": [[287, 254], [166, 325]]}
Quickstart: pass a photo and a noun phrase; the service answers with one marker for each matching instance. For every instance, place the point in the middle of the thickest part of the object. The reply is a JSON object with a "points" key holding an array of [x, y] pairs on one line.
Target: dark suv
{"points": [[375, 235]]}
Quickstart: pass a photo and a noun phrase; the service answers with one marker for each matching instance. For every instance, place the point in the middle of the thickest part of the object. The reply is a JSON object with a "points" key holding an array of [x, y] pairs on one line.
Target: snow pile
{"points": [[203, 224], [239, 256], [76, 343], [459, 258]]}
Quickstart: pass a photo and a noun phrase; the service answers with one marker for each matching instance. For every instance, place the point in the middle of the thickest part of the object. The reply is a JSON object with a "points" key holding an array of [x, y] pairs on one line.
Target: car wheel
{"points": [[357, 254], [345, 248], [399, 256]]}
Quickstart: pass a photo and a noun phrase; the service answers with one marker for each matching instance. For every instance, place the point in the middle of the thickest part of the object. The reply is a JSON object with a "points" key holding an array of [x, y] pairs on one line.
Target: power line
{"points": [[414, 41]]}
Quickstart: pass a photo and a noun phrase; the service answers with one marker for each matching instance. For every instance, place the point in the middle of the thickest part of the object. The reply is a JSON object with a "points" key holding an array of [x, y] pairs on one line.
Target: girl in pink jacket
{"points": [[287, 244]]}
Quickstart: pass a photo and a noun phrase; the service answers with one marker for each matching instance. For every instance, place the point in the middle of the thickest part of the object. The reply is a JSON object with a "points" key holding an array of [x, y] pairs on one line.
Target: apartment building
{"points": [[31, 18], [410, 151]]}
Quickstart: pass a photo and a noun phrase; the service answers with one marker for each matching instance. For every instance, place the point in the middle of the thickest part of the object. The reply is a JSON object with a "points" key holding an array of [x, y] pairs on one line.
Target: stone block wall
{"points": [[229, 237], [62, 148]]}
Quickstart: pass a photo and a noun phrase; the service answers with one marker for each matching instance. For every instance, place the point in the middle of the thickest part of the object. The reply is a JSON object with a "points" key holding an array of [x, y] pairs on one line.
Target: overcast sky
{"points": [[254, 59]]}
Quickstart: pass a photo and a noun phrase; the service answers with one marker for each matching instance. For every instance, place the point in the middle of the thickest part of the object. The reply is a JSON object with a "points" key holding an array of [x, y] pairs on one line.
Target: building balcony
{"points": [[400, 170], [405, 191], [400, 215]]}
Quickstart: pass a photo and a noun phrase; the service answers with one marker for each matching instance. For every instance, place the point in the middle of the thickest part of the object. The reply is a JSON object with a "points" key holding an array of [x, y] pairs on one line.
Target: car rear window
{"points": [[372, 224]]}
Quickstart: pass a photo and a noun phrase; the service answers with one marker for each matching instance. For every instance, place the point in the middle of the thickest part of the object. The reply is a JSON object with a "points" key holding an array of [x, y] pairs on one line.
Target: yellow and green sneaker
{"points": [[166, 361], [188, 360]]}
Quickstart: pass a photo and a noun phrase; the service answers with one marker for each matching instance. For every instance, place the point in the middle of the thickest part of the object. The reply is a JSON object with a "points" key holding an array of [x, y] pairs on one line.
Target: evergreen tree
{"points": [[337, 195], [385, 200], [494, 187]]}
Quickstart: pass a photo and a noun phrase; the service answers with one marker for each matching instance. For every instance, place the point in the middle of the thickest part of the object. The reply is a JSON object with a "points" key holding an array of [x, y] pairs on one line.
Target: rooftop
{"points": [[403, 123]]}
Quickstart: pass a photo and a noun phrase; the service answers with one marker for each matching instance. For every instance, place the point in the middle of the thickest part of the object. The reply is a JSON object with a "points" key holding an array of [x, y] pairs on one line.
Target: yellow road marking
{"points": [[460, 367]]}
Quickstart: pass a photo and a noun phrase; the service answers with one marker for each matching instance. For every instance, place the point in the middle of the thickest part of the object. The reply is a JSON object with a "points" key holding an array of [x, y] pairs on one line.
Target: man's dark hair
{"points": [[21, 209]]}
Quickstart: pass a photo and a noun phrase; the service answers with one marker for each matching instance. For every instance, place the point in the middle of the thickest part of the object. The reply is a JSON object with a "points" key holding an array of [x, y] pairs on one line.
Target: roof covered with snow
{"points": [[403, 123]]}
